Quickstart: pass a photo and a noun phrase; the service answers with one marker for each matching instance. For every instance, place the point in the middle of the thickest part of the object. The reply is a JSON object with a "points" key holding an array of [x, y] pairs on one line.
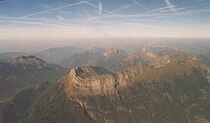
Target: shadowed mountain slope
{"points": [[107, 58], [25, 71], [177, 91], [58, 54]]}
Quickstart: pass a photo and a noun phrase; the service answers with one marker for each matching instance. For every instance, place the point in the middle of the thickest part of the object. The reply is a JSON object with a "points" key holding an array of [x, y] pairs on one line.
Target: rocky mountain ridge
{"points": [[25, 71], [175, 92], [107, 58]]}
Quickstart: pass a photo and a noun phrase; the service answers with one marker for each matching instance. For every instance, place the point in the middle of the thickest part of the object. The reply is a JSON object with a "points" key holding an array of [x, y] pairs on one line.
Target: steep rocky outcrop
{"points": [[175, 92]]}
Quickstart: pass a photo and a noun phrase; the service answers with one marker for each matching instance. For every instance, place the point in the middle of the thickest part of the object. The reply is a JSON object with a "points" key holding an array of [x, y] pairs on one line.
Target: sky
{"points": [[75, 19]]}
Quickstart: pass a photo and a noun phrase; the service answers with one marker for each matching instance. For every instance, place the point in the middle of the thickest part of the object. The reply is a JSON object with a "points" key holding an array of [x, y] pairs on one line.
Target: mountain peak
{"points": [[29, 60], [113, 52], [145, 49], [85, 80], [148, 53], [96, 49], [88, 72]]}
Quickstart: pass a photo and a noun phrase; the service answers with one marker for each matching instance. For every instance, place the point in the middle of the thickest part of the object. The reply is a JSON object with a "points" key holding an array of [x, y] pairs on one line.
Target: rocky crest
{"points": [[114, 52], [97, 50], [87, 80], [176, 92], [29, 60], [109, 58], [148, 53]]}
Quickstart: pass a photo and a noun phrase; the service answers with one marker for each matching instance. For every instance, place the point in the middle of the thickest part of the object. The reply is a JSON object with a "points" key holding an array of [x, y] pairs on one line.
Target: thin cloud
{"points": [[110, 18], [170, 6], [56, 8], [29, 22], [100, 8], [194, 11], [97, 7], [60, 18], [39, 21], [139, 4], [124, 7]]}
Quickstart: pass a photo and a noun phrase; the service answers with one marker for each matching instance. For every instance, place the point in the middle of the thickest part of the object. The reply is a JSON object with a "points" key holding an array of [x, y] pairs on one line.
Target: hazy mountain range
{"points": [[23, 72], [52, 55], [104, 61], [155, 83]]}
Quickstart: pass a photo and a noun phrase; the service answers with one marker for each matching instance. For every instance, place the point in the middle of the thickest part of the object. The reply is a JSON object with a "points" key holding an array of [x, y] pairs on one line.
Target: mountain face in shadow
{"points": [[25, 71], [107, 58], [5, 57], [57, 55], [52, 55], [175, 91], [117, 59]]}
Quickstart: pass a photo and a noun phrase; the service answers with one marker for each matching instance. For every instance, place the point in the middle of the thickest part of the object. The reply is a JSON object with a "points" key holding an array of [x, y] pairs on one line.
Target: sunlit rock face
{"points": [[86, 80], [176, 92], [114, 52]]}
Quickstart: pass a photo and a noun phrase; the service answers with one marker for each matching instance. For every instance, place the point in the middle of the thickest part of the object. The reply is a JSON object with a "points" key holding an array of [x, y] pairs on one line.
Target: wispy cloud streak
{"points": [[124, 7], [100, 8], [170, 6], [39, 21], [56, 8], [139, 4]]}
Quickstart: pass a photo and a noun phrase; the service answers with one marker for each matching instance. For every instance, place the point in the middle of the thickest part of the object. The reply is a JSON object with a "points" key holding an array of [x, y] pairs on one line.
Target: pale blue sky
{"points": [[103, 18]]}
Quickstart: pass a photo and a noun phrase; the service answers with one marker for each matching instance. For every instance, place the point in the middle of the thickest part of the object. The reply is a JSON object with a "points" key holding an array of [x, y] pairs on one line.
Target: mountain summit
{"points": [[176, 92], [114, 52], [106, 58], [29, 60]]}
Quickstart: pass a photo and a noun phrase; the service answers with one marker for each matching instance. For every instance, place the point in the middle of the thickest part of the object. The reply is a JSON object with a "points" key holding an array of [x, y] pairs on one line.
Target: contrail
{"points": [[139, 4], [170, 6], [124, 7], [95, 6], [110, 12], [37, 21], [100, 7], [53, 9]]}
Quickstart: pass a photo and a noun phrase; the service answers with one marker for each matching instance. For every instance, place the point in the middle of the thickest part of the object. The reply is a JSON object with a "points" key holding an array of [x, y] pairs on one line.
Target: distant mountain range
{"points": [[155, 84], [107, 58], [23, 72], [52, 55], [176, 91], [115, 59], [57, 55], [10, 55]]}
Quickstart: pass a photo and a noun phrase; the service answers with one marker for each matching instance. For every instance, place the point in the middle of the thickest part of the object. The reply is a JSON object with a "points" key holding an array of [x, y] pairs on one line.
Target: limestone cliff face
{"points": [[88, 80], [176, 92]]}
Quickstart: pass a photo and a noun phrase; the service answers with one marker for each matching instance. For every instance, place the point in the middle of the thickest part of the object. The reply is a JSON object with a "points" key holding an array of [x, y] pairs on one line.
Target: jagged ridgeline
{"points": [[175, 91], [118, 59]]}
